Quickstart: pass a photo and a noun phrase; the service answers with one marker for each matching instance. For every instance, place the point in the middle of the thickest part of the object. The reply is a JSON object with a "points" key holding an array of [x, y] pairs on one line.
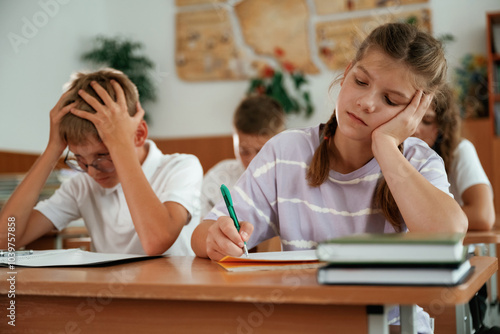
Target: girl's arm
{"points": [[31, 224], [423, 206], [479, 208]]}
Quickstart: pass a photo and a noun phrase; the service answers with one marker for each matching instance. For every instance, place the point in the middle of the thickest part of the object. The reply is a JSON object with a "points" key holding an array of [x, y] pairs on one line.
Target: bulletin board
{"points": [[326, 7], [205, 48], [231, 39], [338, 40], [271, 24]]}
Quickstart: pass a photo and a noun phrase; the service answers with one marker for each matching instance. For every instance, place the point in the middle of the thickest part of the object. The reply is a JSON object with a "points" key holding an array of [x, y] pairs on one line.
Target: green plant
{"points": [[471, 80], [272, 82], [122, 54]]}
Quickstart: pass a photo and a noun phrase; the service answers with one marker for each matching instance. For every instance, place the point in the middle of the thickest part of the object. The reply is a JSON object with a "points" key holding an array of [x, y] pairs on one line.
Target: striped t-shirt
{"points": [[273, 193]]}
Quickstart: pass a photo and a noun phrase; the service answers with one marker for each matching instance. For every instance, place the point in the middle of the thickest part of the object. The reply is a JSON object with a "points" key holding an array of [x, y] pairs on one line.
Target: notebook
{"points": [[271, 261]]}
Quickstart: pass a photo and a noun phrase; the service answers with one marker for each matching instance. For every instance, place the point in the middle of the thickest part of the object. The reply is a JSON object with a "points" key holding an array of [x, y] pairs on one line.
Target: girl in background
{"points": [[440, 129]]}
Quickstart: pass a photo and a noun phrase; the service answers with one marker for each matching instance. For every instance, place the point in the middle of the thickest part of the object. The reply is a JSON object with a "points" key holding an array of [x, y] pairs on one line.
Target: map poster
{"points": [[205, 48], [326, 7], [338, 40]]}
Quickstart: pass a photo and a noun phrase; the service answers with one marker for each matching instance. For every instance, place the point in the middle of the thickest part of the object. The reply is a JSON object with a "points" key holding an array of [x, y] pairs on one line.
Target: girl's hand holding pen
{"points": [[223, 238]]}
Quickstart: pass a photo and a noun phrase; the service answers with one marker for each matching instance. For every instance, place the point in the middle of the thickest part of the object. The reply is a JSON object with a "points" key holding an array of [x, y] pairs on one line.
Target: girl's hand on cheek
{"points": [[405, 123]]}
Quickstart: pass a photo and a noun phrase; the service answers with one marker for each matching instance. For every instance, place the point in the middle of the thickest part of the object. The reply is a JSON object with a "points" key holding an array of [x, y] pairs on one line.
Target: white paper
{"points": [[303, 255], [64, 257]]}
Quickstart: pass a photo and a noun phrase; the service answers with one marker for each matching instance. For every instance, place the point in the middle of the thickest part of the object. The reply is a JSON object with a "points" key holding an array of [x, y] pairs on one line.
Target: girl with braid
{"points": [[361, 172]]}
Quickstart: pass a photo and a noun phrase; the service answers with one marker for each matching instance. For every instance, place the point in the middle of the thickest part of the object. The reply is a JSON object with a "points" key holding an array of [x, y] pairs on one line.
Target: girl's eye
{"points": [[389, 102], [361, 83]]}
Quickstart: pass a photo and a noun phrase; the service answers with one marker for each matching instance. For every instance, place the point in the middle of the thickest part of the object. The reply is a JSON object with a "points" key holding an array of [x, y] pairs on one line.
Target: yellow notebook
{"points": [[272, 261]]}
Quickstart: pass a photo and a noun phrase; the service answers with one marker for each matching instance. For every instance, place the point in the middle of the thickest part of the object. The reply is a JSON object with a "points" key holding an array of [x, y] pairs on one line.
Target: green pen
{"points": [[229, 204]]}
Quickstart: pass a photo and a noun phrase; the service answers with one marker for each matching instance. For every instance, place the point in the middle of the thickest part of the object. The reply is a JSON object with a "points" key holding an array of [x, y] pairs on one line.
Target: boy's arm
{"points": [[479, 208], [157, 224], [30, 224]]}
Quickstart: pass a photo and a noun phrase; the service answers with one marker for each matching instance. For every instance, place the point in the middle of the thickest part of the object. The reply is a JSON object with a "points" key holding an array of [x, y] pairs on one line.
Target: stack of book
{"points": [[394, 259]]}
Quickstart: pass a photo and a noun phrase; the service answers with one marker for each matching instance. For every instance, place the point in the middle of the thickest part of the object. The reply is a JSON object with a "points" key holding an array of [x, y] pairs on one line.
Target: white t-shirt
{"points": [[173, 178], [226, 172], [466, 170]]}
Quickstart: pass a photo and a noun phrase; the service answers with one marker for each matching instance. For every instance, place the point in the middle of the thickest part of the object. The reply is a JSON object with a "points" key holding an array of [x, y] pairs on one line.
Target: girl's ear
{"points": [[141, 134], [345, 72]]}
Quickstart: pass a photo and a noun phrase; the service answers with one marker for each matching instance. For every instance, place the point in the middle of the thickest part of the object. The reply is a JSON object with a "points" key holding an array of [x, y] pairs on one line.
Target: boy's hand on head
{"points": [[112, 120], [224, 239], [56, 114], [405, 123]]}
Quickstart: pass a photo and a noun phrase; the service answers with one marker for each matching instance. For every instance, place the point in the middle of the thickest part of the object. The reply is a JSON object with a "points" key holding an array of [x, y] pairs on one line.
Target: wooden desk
{"points": [[491, 241], [193, 295], [487, 244]]}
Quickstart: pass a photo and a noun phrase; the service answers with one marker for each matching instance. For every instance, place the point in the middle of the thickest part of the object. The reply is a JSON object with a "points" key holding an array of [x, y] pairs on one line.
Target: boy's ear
{"points": [[141, 134], [345, 72]]}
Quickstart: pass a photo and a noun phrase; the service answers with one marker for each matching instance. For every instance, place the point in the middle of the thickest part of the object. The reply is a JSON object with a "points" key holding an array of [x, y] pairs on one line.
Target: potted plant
{"points": [[275, 82], [123, 54]]}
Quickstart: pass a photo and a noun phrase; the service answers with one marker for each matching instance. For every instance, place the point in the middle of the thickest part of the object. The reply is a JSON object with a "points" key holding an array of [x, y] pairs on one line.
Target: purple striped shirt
{"points": [[273, 193]]}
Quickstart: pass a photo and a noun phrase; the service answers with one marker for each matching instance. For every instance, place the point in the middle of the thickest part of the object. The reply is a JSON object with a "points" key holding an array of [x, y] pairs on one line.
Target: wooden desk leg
{"points": [[463, 319], [408, 319], [377, 319]]}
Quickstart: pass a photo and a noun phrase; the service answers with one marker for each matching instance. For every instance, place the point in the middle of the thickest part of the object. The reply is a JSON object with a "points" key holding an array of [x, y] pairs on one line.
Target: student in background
{"points": [[440, 128], [357, 173], [132, 198], [256, 120]]}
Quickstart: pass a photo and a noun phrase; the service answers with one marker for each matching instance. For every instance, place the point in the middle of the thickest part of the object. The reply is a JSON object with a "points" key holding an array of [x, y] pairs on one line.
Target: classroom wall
{"points": [[41, 42]]}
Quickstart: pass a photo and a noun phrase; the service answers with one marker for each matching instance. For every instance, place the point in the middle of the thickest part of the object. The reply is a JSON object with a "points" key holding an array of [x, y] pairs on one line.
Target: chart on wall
{"points": [[231, 39], [337, 41]]}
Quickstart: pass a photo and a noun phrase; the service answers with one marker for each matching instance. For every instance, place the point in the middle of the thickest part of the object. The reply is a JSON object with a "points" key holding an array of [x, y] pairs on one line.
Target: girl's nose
{"points": [[367, 103]]}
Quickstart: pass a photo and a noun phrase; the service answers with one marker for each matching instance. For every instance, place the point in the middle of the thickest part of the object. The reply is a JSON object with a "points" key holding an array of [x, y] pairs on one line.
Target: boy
{"points": [[255, 121], [132, 198]]}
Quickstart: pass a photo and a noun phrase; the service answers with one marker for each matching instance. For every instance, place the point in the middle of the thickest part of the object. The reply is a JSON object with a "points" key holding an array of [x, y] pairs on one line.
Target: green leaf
{"points": [[122, 54]]}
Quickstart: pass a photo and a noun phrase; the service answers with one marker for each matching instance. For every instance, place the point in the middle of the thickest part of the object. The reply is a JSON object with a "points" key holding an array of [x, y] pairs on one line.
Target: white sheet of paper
{"points": [[64, 257], [303, 255]]}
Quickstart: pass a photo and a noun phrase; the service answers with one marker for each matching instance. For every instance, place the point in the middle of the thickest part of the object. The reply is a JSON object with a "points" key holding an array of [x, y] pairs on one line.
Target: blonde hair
{"points": [[76, 130], [424, 56]]}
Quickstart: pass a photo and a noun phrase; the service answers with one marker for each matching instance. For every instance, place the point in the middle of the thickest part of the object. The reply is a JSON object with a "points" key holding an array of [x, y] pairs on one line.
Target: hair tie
{"points": [[326, 138]]}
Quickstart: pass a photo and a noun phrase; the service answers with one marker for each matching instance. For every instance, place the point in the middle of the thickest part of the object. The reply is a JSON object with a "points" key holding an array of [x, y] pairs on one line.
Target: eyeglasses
{"points": [[104, 165]]}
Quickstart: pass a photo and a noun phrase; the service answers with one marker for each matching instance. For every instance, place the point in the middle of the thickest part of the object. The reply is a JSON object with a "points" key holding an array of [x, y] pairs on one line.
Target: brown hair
{"points": [[449, 124], [259, 115], [76, 130], [424, 56]]}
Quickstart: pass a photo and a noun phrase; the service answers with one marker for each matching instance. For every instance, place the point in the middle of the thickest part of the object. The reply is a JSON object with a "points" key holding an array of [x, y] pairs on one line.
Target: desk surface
{"points": [[195, 279], [484, 237]]}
